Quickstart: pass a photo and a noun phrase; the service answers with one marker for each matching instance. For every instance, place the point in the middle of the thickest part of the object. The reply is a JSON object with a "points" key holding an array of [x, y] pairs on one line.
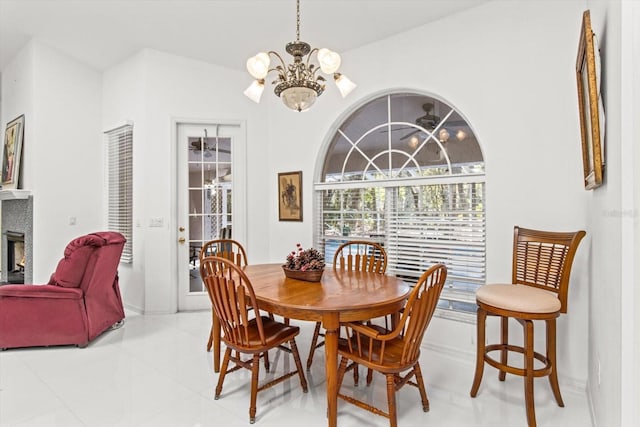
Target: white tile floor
{"points": [[154, 371]]}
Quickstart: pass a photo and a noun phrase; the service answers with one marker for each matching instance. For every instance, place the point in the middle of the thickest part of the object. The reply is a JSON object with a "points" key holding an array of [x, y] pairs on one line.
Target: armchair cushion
{"points": [[71, 267], [42, 291]]}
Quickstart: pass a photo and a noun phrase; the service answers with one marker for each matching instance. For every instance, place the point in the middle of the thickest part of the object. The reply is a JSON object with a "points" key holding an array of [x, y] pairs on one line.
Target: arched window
{"points": [[406, 170]]}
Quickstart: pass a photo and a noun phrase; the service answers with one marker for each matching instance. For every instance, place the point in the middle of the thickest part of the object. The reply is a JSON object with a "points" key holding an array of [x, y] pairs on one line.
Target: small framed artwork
{"points": [[290, 196], [590, 106], [12, 152]]}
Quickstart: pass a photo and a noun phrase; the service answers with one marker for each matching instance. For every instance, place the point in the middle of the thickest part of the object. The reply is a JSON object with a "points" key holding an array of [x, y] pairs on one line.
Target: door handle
{"points": [[181, 229], [181, 240]]}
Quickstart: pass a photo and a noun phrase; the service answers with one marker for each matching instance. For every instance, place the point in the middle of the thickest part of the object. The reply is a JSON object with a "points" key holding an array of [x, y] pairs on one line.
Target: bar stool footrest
{"points": [[539, 372]]}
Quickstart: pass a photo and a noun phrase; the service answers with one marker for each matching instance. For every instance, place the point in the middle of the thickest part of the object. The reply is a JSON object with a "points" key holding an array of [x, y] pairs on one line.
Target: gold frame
{"points": [[290, 196], [12, 153], [589, 107]]}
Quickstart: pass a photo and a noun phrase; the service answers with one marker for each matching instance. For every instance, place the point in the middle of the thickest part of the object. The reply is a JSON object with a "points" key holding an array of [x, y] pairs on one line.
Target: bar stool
{"points": [[540, 283]]}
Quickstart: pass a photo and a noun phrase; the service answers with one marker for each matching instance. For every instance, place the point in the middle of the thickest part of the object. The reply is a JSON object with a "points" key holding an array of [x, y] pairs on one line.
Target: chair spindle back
{"points": [[232, 297], [361, 255], [543, 259], [225, 248]]}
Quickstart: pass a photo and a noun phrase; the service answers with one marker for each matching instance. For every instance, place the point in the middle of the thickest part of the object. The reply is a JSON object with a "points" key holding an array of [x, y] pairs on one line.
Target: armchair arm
{"points": [[363, 329], [39, 291], [373, 332]]}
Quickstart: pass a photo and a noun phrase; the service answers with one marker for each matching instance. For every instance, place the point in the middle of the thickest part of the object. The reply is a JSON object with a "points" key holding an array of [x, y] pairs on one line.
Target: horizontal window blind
{"points": [[443, 223], [120, 185], [354, 212], [419, 226]]}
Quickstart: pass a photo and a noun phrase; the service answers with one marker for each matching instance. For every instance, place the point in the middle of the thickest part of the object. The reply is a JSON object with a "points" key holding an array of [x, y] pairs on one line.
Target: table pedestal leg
{"points": [[331, 326]]}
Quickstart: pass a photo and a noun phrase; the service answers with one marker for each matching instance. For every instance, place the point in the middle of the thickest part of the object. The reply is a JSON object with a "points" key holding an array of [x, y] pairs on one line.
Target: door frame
{"points": [[239, 199]]}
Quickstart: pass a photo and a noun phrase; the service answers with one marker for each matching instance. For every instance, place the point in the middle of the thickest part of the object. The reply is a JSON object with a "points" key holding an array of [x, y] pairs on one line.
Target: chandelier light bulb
{"points": [[461, 135], [413, 141], [254, 91], [329, 61], [258, 66], [345, 86], [443, 135]]}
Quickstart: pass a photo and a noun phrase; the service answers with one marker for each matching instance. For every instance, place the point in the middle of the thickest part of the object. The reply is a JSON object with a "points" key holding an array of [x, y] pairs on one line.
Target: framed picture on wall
{"points": [[590, 105], [12, 152], [290, 196]]}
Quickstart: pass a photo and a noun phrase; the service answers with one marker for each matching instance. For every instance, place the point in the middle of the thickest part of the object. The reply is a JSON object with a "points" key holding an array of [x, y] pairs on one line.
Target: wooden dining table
{"points": [[340, 296]]}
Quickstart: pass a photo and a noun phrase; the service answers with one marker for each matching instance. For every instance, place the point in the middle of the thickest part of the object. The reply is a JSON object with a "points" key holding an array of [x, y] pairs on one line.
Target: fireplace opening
{"points": [[16, 257]]}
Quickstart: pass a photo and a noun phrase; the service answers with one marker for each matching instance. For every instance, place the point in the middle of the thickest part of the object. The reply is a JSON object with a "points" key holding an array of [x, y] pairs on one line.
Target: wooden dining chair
{"points": [[354, 255], [225, 248], [394, 352], [233, 297], [234, 252], [541, 267]]}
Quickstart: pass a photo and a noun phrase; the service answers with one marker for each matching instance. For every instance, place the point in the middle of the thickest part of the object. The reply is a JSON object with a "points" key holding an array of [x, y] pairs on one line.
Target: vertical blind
{"points": [[120, 185]]}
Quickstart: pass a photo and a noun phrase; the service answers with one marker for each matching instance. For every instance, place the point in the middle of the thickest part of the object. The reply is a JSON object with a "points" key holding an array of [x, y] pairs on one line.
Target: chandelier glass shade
{"points": [[299, 83]]}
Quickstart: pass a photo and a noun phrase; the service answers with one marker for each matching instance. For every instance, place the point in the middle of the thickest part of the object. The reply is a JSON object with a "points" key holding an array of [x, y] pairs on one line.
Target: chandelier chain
{"points": [[298, 20]]}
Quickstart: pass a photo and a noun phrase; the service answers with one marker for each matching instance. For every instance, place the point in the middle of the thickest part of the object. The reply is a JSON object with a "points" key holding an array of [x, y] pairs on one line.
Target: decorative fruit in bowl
{"points": [[304, 264]]}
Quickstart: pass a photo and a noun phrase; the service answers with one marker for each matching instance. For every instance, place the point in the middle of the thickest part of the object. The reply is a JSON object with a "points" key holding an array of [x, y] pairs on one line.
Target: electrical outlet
{"points": [[72, 220], [156, 222]]}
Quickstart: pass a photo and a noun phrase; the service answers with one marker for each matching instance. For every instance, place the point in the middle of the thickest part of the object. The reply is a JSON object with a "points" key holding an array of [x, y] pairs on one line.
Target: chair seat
{"points": [[518, 298], [275, 333], [369, 354]]}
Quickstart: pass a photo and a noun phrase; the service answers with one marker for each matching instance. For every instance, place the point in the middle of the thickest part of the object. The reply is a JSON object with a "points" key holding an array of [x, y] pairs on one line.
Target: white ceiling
{"points": [[102, 33]]}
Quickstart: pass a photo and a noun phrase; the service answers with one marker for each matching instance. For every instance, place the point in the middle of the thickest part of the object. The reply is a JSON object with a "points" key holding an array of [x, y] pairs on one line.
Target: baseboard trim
{"points": [[591, 405], [135, 309], [451, 352]]}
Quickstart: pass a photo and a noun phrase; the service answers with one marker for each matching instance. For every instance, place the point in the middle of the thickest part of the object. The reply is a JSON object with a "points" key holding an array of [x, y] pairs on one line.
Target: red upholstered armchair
{"points": [[81, 300]]}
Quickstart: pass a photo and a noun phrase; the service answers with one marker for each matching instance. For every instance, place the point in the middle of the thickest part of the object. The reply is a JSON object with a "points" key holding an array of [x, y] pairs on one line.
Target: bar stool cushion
{"points": [[519, 298]]}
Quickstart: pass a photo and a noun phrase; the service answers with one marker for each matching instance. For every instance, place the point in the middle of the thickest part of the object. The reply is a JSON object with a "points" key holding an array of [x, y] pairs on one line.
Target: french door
{"points": [[210, 198]]}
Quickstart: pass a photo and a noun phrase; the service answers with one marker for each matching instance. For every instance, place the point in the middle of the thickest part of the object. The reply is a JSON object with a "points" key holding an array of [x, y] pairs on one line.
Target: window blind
{"points": [[443, 223], [419, 226], [120, 185]]}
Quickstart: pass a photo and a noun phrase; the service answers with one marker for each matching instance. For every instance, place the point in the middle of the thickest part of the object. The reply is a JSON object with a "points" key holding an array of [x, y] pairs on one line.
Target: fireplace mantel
{"points": [[14, 194]]}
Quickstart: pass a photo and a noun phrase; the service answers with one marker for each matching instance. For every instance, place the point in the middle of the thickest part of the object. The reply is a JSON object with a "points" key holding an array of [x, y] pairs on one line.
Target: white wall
{"points": [[631, 383], [65, 156], [123, 100], [164, 89], [61, 102], [510, 69], [613, 220], [17, 97]]}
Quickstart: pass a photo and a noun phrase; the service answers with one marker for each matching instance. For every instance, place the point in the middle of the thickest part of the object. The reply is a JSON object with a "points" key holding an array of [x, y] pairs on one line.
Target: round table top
{"points": [[356, 295]]}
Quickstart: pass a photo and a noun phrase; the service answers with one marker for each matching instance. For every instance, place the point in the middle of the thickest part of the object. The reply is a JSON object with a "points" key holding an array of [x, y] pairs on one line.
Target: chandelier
{"points": [[297, 84]]}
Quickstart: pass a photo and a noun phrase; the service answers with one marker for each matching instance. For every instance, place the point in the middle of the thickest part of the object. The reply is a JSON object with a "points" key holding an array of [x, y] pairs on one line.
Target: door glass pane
{"points": [[195, 204], [210, 197]]}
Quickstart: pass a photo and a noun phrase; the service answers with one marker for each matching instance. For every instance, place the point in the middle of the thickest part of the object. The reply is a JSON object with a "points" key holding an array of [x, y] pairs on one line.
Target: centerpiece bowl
{"points": [[306, 275], [307, 265]]}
